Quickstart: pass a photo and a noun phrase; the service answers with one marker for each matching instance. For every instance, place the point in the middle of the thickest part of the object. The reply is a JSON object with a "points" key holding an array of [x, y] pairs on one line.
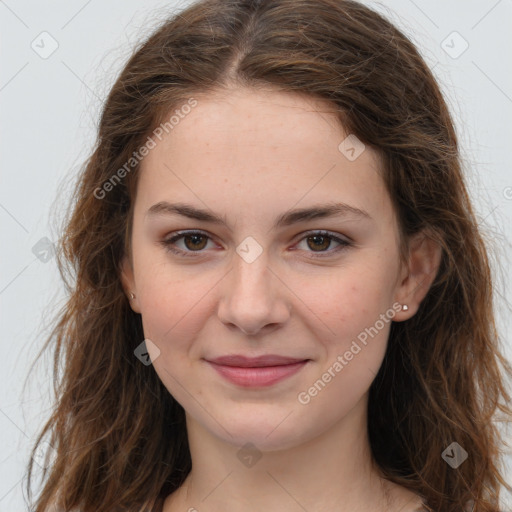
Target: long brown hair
{"points": [[119, 437]]}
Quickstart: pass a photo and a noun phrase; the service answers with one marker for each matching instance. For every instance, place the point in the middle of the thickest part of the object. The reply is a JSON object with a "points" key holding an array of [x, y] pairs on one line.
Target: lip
{"points": [[259, 371]]}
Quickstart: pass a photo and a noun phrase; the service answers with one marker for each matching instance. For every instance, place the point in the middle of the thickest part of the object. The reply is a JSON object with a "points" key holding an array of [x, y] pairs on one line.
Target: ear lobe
{"points": [[424, 259], [128, 282]]}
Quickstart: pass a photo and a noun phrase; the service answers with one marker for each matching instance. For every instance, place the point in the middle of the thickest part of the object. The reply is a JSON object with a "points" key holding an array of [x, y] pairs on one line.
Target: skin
{"points": [[250, 156]]}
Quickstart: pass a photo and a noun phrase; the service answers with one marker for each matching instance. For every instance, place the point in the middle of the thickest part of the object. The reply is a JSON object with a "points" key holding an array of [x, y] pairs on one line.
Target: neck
{"points": [[333, 471]]}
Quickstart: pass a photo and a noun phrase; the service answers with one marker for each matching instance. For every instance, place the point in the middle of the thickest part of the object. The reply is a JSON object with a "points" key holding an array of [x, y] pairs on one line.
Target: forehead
{"points": [[267, 147], [249, 120]]}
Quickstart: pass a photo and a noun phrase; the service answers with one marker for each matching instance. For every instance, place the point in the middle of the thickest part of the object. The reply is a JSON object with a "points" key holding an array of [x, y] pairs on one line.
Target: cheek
{"points": [[169, 316], [350, 364], [172, 320], [166, 294], [175, 306], [356, 306], [353, 300]]}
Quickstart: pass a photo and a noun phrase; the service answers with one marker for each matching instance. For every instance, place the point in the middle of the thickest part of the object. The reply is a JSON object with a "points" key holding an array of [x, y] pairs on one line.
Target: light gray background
{"points": [[50, 107]]}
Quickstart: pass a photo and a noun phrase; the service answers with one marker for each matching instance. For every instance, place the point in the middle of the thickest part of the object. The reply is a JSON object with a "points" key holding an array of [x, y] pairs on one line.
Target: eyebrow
{"points": [[320, 211]]}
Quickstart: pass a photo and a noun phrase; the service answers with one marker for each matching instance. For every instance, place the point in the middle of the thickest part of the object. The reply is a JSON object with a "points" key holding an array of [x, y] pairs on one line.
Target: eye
{"points": [[191, 239], [196, 241], [322, 240]]}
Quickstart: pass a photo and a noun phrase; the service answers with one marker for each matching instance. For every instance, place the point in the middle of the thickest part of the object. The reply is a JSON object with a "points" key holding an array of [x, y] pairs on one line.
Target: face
{"points": [[321, 291]]}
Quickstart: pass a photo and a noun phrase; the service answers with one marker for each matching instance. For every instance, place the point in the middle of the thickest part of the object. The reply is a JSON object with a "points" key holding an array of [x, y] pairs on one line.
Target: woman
{"points": [[282, 299]]}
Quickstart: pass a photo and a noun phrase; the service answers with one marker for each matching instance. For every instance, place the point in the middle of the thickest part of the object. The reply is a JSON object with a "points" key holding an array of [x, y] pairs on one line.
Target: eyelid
{"points": [[326, 232]]}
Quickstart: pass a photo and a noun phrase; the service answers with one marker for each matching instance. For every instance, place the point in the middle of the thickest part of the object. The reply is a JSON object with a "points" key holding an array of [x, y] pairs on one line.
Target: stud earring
{"points": [[405, 307], [132, 296]]}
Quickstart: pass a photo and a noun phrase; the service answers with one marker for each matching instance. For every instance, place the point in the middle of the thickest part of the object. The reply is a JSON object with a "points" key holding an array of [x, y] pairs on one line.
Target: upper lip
{"points": [[247, 362]]}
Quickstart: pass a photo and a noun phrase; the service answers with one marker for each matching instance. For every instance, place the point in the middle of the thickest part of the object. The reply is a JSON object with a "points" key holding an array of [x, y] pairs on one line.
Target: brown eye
{"points": [[193, 242], [319, 242]]}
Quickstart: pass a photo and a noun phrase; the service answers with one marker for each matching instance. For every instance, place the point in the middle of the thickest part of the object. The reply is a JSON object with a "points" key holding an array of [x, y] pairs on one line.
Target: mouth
{"points": [[259, 371]]}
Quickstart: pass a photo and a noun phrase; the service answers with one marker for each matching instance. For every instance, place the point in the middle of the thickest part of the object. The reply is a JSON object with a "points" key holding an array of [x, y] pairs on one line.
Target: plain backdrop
{"points": [[58, 61]]}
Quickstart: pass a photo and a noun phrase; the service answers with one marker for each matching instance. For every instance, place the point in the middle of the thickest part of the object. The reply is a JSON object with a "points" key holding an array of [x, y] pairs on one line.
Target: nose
{"points": [[253, 297]]}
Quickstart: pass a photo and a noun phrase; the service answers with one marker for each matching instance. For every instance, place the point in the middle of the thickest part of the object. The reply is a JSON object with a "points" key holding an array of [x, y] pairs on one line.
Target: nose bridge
{"points": [[251, 281], [252, 296]]}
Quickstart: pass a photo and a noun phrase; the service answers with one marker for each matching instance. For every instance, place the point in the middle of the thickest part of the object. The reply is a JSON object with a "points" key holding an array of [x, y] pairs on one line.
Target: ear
{"points": [[128, 282], [419, 273]]}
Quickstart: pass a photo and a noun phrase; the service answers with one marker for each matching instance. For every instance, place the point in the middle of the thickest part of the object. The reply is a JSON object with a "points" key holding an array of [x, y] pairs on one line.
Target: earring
{"points": [[132, 296], [405, 307]]}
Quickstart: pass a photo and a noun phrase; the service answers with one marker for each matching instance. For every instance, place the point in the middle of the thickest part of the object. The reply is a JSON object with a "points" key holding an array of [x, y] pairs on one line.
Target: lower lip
{"points": [[257, 377]]}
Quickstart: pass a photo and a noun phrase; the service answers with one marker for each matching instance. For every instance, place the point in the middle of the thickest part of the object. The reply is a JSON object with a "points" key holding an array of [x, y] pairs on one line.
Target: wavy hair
{"points": [[118, 436]]}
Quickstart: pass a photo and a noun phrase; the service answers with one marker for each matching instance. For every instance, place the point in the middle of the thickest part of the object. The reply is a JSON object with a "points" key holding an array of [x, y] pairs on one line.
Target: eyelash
{"points": [[168, 243]]}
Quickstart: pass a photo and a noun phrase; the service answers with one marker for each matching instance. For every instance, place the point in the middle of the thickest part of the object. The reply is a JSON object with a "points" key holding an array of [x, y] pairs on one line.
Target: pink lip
{"points": [[256, 371]]}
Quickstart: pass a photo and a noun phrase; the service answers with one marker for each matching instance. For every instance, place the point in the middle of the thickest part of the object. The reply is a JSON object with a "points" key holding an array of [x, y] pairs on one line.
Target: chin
{"points": [[261, 442], [269, 432]]}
